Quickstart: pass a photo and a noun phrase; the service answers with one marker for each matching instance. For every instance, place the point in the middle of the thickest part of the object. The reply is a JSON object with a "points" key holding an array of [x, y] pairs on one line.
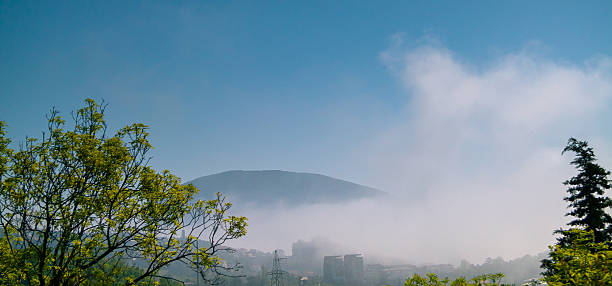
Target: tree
{"points": [[433, 280], [583, 262], [77, 202], [579, 251], [587, 192]]}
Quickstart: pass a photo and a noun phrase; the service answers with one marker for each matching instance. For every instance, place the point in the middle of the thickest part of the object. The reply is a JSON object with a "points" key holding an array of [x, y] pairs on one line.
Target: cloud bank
{"points": [[474, 162]]}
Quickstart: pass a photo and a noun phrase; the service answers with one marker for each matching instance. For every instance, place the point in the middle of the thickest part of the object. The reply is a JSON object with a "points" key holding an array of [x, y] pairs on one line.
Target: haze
{"points": [[460, 112]]}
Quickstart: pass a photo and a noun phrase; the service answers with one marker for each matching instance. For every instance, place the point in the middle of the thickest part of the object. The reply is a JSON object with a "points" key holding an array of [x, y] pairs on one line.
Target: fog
{"points": [[473, 165]]}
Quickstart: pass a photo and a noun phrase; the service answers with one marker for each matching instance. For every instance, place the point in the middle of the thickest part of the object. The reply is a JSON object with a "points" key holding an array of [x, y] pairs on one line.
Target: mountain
{"points": [[266, 187]]}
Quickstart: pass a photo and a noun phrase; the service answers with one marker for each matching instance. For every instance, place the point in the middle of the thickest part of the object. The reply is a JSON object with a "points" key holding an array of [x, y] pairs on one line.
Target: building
{"points": [[333, 269], [349, 270], [353, 269]]}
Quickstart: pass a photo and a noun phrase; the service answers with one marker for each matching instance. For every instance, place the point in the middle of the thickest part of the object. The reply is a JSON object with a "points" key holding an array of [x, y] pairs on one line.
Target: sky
{"points": [[459, 107]]}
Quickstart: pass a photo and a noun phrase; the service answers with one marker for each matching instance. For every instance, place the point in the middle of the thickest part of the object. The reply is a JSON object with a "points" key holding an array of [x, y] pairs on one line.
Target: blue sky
{"points": [[458, 108], [261, 85]]}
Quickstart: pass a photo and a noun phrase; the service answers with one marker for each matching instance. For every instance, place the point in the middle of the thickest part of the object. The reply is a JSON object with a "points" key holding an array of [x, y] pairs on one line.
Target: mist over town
{"points": [[305, 143]]}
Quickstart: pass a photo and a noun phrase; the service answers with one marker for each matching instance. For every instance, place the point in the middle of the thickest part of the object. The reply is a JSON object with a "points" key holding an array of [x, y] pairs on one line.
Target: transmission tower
{"points": [[277, 273]]}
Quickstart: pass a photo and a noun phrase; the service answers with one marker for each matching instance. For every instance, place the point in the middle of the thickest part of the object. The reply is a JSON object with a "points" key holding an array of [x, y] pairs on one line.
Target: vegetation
{"points": [[433, 280], [587, 193], [78, 206], [582, 253], [583, 262], [77, 203]]}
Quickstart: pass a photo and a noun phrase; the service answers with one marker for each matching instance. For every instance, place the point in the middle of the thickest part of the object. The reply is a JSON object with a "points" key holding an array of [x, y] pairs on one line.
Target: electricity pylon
{"points": [[276, 275]]}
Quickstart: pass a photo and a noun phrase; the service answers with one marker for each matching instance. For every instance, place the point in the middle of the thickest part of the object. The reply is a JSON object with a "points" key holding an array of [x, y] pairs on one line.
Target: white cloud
{"points": [[493, 119], [476, 159]]}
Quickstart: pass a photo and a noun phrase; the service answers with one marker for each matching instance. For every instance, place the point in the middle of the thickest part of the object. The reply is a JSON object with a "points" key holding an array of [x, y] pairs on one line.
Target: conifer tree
{"points": [[587, 192], [588, 203]]}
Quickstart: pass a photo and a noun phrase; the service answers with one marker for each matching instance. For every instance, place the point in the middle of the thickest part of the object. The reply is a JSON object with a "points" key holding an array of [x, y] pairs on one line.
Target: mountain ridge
{"points": [[265, 187]]}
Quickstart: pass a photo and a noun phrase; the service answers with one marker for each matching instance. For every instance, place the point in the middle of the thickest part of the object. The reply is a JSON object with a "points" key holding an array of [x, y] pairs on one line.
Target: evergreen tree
{"points": [[587, 193], [588, 203]]}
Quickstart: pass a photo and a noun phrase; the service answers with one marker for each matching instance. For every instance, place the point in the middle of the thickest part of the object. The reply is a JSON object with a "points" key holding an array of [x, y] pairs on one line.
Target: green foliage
{"points": [[582, 253], [76, 201], [586, 192], [116, 272], [583, 262], [433, 280]]}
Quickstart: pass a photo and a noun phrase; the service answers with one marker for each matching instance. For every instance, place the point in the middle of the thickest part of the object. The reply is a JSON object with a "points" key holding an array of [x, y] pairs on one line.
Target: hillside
{"points": [[268, 187]]}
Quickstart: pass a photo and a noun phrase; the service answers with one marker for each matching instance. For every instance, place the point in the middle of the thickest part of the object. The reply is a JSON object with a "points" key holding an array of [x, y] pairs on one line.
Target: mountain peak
{"points": [[265, 187]]}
